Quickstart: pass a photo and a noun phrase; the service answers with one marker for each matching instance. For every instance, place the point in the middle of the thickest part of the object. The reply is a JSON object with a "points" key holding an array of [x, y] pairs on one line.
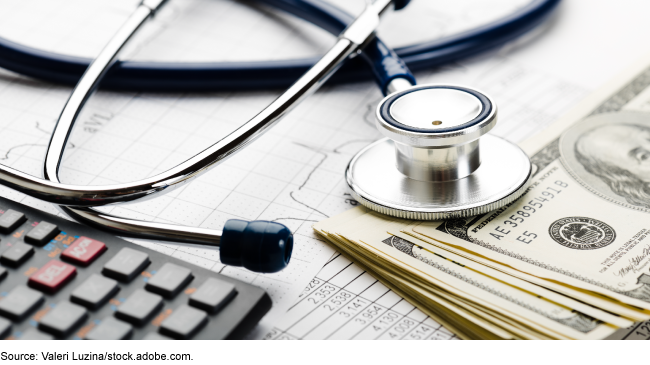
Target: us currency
{"points": [[459, 321], [583, 225], [521, 312]]}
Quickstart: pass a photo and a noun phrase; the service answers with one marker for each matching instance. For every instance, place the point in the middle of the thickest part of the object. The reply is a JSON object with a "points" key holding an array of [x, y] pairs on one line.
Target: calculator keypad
{"points": [[20, 302], [61, 320], [61, 280], [94, 292], [53, 276], [42, 233], [110, 329], [139, 307], [16, 254], [169, 280], [10, 220], [126, 264], [212, 295], [83, 251], [184, 322]]}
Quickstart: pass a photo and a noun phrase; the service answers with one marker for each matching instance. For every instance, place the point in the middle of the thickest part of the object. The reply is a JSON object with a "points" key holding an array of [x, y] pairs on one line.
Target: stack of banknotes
{"points": [[570, 259]]}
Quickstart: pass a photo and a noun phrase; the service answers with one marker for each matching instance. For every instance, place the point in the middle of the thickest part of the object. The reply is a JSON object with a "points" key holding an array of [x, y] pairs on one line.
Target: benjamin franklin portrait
{"points": [[610, 155]]}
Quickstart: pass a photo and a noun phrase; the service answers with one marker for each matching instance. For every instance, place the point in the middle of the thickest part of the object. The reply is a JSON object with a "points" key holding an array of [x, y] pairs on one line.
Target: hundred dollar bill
{"points": [[593, 299], [585, 219], [522, 312], [459, 321]]}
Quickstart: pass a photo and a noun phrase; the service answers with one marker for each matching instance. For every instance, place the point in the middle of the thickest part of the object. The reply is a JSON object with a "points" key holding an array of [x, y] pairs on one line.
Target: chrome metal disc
{"points": [[500, 179]]}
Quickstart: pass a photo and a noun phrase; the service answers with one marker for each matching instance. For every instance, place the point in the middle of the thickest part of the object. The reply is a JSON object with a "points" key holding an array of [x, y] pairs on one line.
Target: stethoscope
{"points": [[429, 167]]}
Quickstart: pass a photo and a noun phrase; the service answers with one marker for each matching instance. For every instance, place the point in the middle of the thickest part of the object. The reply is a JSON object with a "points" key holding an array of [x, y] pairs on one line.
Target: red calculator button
{"points": [[83, 251], [52, 276]]}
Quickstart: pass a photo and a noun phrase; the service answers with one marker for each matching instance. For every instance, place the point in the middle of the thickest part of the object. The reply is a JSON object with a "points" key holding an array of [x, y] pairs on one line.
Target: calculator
{"points": [[64, 280]]}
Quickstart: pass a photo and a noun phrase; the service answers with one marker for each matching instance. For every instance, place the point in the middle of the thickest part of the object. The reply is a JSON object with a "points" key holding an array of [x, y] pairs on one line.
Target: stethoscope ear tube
{"points": [[185, 77], [385, 64], [259, 246]]}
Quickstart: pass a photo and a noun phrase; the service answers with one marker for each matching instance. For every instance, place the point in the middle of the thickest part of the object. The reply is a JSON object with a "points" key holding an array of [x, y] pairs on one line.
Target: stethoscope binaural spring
{"points": [[428, 160]]}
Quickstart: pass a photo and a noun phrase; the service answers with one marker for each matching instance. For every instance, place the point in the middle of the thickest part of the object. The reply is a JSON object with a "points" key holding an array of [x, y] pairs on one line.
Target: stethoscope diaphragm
{"points": [[437, 162]]}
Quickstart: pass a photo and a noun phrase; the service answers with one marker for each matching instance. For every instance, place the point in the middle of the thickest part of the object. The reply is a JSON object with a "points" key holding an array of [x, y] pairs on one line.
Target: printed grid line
{"points": [[359, 305]]}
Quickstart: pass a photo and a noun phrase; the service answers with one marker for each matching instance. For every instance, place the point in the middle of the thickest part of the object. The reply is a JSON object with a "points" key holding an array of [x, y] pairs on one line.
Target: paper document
{"points": [[345, 303]]}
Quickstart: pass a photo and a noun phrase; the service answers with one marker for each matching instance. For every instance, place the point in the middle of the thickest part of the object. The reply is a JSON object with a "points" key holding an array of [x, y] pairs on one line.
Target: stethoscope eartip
{"points": [[259, 246]]}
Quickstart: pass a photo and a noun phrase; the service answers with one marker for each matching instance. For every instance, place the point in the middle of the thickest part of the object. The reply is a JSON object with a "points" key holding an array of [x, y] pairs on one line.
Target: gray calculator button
{"points": [[139, 307], [213, 295], [153, 336], [94, 292], [169, 280], [110, 329], [5, 328], [61, 320], [42, 233], [33, 334], [19, 302], [184, 322], [126, 264], [17, 254], [10, 220]]}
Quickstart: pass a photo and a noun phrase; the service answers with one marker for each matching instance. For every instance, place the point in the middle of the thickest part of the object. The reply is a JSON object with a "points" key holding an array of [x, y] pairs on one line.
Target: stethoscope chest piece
{"points": [[437, 161]]}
